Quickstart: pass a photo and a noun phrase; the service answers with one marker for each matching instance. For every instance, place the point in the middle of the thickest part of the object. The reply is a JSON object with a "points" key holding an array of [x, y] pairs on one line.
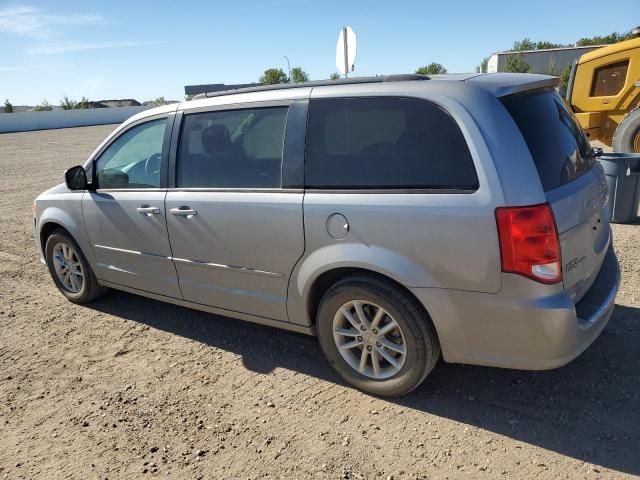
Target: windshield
{"points": [[558, 146]]}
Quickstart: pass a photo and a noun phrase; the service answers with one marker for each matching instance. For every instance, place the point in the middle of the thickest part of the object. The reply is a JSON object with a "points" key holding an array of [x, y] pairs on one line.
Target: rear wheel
{"points": [[376, 336], [626, 138], [70, 270]]}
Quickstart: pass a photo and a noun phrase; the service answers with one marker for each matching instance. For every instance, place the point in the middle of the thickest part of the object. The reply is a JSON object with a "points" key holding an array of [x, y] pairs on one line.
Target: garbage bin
{"points": [[623, 179]]}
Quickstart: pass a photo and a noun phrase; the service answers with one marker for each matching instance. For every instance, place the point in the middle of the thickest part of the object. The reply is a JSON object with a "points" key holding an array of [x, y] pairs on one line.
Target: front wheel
{"points": [[70, 270], [626, 138], [376, 336]]}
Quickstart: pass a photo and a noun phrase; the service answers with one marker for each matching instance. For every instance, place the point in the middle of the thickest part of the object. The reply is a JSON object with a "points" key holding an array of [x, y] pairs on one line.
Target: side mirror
{"points": [[76, 178]]}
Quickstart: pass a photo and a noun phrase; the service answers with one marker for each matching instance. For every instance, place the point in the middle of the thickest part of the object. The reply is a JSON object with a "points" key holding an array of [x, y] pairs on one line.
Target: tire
{"points": [[416, 333], [89, 289], [626, 137]]}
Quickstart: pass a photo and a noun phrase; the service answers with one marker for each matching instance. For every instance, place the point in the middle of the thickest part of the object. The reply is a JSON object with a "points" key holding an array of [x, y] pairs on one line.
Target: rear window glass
{"points": [[385, 142], [558, 146]]}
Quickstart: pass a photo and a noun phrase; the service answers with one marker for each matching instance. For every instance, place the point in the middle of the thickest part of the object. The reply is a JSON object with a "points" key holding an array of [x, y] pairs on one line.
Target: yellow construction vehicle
{"points": [[604, 92]]}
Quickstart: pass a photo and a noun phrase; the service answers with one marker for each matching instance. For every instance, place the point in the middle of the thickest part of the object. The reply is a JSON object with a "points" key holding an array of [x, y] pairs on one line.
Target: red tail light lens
{"points": [[529, 242]]}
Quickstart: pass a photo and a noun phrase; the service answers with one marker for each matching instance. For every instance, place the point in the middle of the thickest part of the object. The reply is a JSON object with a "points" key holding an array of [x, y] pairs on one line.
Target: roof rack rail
{"points": [[315, 83]]}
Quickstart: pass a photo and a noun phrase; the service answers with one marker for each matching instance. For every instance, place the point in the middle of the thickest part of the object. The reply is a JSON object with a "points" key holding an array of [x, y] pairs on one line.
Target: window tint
{"points": [[385, 142], [610, 79], [133, 160], [232, 149], [559, 149]]}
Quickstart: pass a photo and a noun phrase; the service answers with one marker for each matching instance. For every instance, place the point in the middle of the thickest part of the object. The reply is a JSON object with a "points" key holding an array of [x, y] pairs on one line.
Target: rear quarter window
{"points": [[385, 143], [559, 148]]}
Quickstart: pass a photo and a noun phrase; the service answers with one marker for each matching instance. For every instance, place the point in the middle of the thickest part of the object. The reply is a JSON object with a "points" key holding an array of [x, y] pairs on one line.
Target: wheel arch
{"points": [[53, 217], [323, 282], [323, 267], [46, 230]]}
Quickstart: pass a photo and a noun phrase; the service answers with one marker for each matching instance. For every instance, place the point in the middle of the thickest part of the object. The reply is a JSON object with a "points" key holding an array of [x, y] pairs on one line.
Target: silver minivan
{"points": [[399, 218]]}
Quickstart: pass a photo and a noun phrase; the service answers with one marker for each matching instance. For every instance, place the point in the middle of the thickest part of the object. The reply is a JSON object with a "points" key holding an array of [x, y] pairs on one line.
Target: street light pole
{"points": [[289, 67]]}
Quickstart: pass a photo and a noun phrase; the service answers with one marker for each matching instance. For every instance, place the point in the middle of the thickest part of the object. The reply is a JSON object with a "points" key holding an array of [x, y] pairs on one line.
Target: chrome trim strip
{"points": [[132, 252], [132, 190], [238, 190], [220, 266], [196, 263], [114, 268]]}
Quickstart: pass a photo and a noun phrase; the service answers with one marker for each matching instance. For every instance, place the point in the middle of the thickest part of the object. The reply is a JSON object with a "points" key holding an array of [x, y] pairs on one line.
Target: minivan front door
{"points": [[235, 233], [125, 215]]}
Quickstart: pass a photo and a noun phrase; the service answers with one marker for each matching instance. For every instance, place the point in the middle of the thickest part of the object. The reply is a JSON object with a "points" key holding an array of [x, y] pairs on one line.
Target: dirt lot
{"points": [[133, 388]]}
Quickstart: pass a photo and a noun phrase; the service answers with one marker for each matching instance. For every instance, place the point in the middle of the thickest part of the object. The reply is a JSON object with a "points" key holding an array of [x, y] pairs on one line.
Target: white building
{"points": [[542, 61]]}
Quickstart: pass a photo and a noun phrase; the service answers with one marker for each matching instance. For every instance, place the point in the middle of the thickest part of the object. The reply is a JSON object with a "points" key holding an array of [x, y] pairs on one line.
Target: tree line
{"points": [[67, 103], [275, 76]]}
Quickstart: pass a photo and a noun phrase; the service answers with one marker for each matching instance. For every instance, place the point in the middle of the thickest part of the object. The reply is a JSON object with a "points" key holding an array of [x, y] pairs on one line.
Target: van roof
{"points": [[499, 84]]}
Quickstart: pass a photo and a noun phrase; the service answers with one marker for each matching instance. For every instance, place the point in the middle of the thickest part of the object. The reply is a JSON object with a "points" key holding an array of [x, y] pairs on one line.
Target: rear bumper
{"points": [[526, 325]]}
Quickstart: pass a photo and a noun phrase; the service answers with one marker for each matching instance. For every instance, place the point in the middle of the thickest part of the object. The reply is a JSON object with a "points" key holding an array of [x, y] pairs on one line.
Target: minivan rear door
{"points": [[573, 181]]}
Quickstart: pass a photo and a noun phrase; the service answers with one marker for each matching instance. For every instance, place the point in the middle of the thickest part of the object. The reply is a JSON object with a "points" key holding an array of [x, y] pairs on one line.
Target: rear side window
{"points": [[232, 149], [558, 146], [385, 142], [610, 79]]}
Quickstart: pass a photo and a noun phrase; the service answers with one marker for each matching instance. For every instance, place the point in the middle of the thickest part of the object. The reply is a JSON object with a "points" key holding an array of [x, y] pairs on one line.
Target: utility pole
{"points": [[346, 53], [289, 68]]}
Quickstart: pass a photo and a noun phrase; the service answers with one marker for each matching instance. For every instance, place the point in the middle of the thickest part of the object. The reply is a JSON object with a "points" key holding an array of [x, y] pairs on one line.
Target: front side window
{"points": [[385, 142], [232, 149], [610, 79], [133, 160]]}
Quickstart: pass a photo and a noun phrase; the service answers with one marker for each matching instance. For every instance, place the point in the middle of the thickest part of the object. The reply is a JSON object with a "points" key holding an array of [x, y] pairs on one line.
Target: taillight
{"points": [[529, 243]]}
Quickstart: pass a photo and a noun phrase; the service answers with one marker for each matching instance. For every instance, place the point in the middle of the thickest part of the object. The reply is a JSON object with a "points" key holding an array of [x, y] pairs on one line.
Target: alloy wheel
{"points": [[369, 339], [68, 267]]}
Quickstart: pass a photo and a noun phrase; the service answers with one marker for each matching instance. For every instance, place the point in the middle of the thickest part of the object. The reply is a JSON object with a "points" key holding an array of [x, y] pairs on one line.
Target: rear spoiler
{"points": [[503, 84]]}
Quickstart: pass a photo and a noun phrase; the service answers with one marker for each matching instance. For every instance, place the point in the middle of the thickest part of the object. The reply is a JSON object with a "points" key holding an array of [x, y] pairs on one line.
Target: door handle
{"points": [[148, 211], [183, 212]]}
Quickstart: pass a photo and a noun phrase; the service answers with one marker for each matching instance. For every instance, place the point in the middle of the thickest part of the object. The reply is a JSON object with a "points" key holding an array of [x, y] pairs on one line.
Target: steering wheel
{"points": [[152, 165]]}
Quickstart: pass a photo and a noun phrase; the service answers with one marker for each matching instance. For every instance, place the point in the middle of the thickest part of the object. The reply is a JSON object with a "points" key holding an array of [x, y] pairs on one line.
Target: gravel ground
{"points": [[131, 388]]}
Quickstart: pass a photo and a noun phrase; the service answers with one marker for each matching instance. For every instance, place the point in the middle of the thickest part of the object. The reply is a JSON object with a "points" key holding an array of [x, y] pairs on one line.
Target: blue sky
{"points": [[145, 49]]}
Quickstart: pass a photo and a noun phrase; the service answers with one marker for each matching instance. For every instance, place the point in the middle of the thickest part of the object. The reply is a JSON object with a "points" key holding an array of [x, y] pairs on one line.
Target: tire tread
{"points": [[429, 349], [93, 289]]}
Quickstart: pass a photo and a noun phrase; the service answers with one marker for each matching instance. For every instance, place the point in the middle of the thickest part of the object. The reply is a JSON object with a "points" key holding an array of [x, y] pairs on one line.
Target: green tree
{"points": [[564, 79], [483, 65], [604, 40], [188, 97], [542, 45], [528, 44], [552, 69], [298, 75], [83, 103], [273, 76], [158, 101], [334, 76], [67, 104], [517, 64], [431, 69], [43, 107], [8, 107], [524, 44]]}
